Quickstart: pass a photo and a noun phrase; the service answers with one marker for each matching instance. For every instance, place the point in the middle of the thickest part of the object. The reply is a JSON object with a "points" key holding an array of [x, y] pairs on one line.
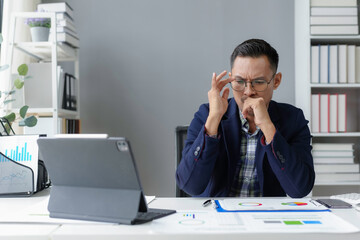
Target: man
{"points": [[248, 145]]}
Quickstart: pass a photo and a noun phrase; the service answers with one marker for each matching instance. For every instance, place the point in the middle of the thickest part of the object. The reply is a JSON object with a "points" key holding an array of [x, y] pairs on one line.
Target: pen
{"points": [[214, 204], [207, 202]]}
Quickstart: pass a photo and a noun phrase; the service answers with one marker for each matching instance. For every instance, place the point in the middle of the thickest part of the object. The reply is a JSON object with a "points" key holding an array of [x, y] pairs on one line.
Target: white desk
{"points": [[47, 228]]}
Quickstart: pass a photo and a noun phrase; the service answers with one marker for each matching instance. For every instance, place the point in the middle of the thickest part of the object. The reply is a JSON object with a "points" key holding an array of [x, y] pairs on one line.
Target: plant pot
{"points": [[39, 34]]}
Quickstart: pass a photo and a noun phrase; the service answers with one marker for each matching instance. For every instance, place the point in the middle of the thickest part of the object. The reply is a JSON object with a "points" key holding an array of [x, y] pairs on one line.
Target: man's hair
{"points": [[256, 48]]}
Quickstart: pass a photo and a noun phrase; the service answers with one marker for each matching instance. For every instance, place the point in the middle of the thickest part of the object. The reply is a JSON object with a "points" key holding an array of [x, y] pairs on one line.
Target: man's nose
{"points": [[248, 89]]}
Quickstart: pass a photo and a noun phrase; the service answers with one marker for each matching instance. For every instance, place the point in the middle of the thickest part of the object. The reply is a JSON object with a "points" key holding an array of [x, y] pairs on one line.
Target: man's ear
{"points": [[277, 80]]}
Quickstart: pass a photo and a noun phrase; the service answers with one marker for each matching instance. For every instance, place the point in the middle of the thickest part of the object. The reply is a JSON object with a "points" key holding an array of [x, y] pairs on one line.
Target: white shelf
{"points": [[346, 183], [344, 134], [52, 52], [304, 88], [42, 51], [48, 112], [337, 37], [335, 85]]}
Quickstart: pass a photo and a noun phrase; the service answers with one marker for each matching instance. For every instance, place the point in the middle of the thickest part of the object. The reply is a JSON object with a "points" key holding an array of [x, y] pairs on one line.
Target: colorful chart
{"points": [[250, 204], [189, 219], [18, 154], [294, 204]]}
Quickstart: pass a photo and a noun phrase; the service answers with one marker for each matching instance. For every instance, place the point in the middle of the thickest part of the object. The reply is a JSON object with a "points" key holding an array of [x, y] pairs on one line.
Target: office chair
{"points": [[181, 133]]}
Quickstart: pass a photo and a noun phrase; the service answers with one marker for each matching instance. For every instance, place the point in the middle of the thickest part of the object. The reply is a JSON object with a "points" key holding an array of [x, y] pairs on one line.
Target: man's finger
{"points": [[213, 80], [221, 75], [226, 93], [223, 82]]}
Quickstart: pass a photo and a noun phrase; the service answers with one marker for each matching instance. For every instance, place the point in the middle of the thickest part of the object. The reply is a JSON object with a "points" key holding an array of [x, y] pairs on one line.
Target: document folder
{"points": [[269, 205], [15, 178]]}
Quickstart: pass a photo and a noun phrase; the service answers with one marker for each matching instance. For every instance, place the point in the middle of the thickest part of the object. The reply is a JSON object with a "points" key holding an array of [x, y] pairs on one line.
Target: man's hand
{"points": [[217, 104], [255, 109]]}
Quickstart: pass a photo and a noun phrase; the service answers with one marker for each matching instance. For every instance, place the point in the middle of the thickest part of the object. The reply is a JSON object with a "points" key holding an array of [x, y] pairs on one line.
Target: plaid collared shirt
{"points": [[246, 183]]}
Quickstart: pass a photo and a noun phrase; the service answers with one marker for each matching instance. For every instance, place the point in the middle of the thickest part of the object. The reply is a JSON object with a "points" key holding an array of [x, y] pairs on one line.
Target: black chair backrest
{"points": [[181, 133]]}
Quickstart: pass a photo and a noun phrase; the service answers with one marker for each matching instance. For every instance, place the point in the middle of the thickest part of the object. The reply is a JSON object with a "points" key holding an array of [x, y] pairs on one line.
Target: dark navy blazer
{"points": [[285, 166]]}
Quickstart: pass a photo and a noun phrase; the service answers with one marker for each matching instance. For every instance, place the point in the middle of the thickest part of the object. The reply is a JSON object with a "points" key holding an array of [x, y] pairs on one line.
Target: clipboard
{"points": [[269, 205]]}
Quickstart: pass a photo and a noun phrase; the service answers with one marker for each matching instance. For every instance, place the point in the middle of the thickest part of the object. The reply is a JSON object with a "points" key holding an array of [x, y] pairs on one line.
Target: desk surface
{"points": [[14, 208]]}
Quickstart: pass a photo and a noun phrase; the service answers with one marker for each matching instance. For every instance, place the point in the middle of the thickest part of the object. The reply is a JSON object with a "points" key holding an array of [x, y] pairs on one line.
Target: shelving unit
{"points": [[304, 88], [47, 52]]}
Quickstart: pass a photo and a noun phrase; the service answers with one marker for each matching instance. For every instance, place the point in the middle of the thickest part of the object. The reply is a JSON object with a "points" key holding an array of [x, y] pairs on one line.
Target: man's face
{"points": [[250, 69]]}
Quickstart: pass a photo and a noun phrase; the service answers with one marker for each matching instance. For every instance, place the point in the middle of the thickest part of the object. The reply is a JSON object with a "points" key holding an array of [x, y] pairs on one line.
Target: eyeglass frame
{"points": [[251, 84]]}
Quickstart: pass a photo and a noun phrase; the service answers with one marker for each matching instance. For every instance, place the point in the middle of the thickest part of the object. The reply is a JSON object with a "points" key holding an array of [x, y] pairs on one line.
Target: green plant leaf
{"points": [[10, 117], [30, 121], [7, 128], [9, 101], [4, 67], [28, 77], [18, 83], [23, 69], [23, 111]]}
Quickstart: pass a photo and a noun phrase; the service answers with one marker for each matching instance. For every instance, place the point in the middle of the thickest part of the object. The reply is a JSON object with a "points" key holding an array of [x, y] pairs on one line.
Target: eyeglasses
{"points": [[258, 85]]}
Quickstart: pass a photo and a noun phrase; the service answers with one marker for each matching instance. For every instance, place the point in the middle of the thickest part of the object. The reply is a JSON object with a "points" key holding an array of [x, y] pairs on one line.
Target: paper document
{"points": [[22, 149], [271, 204], [252, 222]]}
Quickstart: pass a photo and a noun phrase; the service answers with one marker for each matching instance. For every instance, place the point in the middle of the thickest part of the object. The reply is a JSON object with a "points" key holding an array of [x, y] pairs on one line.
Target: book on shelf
{"points": [[342, 61], [337, 168], [66, 23], [333, 3], [63, 15], [333, 160], [56, 7], [328, 113], [333, 113], [334, 29], [315, 113], [324, 113], [351, 64], [324, 64], [315, 63], [334, 11], [333, 146], [67, 38], [357, 62], [71, 126], [67, 30], [333, 20], [337, 177], [333, 153], [333, 64], [342, 112]]}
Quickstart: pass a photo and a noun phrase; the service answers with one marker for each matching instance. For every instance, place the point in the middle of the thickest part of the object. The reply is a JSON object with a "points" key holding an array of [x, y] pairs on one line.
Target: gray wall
{"points": [[146, 66]]}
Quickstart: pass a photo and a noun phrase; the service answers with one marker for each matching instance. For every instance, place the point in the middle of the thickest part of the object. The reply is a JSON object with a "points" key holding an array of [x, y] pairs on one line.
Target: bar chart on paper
{"points": [[19, 153]]}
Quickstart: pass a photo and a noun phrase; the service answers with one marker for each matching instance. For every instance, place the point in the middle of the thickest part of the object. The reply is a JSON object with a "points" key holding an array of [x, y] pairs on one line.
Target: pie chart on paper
{"points": [[250, 204], [294, 204]]}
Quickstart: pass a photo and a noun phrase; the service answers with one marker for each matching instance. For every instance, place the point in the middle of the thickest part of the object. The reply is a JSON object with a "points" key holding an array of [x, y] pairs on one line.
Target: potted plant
{"points": [[39, 28], [7, 97]]}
